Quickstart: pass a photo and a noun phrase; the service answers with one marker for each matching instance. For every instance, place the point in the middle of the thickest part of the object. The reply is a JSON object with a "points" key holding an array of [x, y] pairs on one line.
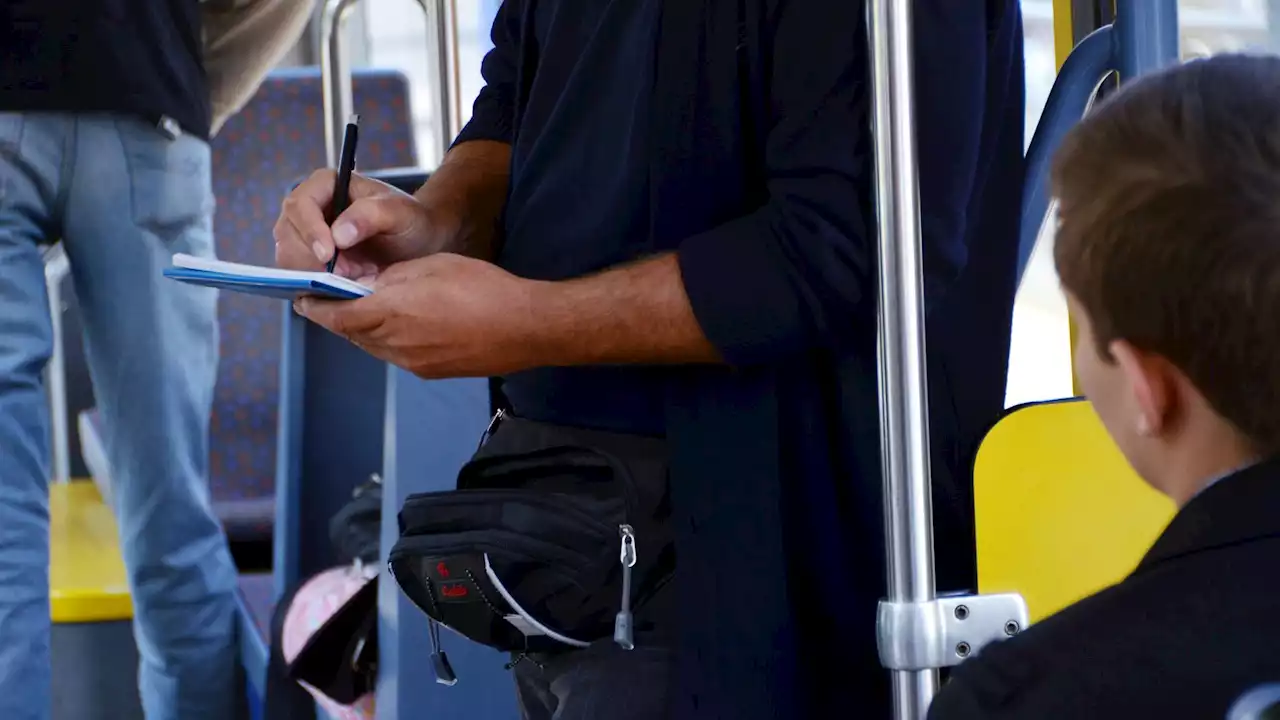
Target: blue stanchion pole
{"points": [[1146, 36]]}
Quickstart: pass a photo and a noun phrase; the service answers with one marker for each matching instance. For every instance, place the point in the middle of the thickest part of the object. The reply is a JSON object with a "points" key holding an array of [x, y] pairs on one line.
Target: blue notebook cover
{"points": [[267, 282]]}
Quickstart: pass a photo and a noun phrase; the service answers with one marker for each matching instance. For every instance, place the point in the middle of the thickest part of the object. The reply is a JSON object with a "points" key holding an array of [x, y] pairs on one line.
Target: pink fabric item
{"points": [[314, 603]]}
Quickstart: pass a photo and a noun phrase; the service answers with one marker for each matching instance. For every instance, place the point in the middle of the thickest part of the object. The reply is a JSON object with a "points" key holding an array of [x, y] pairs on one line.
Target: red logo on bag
{"points": [[453, 591], [442, 570]]}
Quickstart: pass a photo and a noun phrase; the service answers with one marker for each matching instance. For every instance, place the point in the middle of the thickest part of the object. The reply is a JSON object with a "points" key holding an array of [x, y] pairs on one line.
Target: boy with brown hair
{"points": [[1168, 249]]}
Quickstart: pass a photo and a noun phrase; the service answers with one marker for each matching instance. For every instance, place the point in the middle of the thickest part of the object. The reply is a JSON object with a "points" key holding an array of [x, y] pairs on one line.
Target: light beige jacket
{"points": [[243, 41]]}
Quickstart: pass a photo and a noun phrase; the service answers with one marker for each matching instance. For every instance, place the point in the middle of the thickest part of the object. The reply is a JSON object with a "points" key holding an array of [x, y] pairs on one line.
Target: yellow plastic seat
{"points": [[87, 581], [1059, 512]]}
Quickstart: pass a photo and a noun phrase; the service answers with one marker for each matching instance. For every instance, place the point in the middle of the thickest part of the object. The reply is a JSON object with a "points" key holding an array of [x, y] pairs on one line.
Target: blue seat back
{"points": [[260, 154]]}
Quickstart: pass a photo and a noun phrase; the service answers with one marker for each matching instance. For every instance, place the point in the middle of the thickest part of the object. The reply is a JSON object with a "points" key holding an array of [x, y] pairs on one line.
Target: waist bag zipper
{"points": [[623, 633], [497, 420]]}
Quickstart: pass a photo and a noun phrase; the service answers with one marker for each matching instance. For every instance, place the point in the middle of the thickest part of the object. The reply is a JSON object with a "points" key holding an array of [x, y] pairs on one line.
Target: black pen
{"points": [[342, 185]]}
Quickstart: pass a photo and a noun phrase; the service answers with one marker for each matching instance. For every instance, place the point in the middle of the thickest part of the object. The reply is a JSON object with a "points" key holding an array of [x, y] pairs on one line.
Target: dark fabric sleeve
{"points": [[800, 273], [952, 71], [493, 114]]}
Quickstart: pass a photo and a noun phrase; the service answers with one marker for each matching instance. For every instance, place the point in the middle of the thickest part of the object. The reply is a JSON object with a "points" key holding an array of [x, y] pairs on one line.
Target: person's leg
{"points": [[30, 157], [135, 198]]}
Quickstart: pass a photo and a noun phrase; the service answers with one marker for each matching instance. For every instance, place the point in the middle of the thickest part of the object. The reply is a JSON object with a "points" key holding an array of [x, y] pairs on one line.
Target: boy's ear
{"points": [[1147, 379]]}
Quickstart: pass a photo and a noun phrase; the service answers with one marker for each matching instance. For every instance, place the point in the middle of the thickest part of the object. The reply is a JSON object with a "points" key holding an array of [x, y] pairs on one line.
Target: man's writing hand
{"points": [[440, 316], [381, 227]]}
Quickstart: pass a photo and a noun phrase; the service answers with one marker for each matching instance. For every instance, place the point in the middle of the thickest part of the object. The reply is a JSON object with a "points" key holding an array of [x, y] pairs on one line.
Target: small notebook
{"points": [[257, 280]]}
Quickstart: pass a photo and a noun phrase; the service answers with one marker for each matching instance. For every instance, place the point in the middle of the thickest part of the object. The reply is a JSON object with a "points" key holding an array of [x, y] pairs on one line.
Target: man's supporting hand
{"points": [[453, 316], [440, 316]]}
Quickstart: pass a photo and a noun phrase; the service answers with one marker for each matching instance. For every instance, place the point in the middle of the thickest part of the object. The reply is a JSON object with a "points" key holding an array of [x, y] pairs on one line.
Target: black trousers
{"points": [[602, 682]]}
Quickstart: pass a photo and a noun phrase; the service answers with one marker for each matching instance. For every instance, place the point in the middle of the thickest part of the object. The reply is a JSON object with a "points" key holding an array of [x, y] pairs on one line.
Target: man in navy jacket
{"points": [[659, 222]]}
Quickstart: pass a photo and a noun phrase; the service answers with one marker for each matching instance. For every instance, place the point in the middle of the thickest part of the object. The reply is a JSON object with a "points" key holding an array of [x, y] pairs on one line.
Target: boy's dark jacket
{"points": [[762, 179]]}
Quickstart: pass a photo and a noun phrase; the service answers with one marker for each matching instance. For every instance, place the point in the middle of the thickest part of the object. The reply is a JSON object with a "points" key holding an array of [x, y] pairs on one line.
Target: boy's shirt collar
{"points": [[1220, 478]]}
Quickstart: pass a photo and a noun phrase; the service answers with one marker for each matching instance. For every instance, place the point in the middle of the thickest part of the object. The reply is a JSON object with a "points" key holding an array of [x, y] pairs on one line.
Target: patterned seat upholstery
{"points": [[257, 157], [260, 153]]}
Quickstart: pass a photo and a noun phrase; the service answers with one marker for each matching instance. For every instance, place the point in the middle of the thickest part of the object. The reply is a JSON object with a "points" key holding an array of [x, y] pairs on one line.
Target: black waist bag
{"points": [[555, 538]]}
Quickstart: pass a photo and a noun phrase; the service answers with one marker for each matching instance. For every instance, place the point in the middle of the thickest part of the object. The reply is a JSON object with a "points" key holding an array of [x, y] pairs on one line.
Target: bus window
{"points": [[1040, 351], [1211, 26]]}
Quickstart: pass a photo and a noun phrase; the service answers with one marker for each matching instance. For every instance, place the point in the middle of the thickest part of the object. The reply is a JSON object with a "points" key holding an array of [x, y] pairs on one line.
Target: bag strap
{"points": [[355, 529], [284, 699]]}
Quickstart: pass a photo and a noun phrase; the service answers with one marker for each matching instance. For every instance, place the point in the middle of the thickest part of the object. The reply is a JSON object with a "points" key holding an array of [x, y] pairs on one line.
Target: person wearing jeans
{"points": [[105, 113], [123, 197]]}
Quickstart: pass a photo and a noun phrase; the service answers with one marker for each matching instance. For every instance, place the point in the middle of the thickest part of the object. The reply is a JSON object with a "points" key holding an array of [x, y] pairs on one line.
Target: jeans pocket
{"points": [[170, 184]]}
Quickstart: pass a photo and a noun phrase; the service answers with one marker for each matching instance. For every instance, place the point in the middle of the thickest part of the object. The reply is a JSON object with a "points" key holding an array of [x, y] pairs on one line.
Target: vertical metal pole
{"points": [[335, 74], [903, 385], [444, 17], [1146, 36], [335, 71]]}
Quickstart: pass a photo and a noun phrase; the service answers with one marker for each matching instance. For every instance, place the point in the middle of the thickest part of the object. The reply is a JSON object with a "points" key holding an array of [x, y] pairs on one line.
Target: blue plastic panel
{"points": [[1144, 38], [432, 429], [1084, 69]]}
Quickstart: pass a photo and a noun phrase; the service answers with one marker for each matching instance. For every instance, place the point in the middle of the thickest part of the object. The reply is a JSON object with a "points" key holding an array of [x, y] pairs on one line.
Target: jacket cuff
{"points": [[490, 120], [740, 295]]}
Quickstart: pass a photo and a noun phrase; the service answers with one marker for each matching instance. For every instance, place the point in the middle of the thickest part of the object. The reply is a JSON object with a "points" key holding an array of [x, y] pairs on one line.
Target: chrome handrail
{"points": [[904, 410], [335, 74], [335, 71]]}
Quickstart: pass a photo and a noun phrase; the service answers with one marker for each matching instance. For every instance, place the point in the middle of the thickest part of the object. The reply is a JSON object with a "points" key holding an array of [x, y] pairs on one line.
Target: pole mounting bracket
{"points": [[944, 632]]}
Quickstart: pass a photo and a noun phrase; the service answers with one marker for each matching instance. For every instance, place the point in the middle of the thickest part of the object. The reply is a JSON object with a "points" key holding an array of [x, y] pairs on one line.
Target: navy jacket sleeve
{"points": [[799, 273], [494, 113], [953, 66]]}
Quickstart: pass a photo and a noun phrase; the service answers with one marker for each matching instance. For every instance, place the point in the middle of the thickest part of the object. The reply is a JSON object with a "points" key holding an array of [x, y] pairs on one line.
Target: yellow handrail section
{"points": [[1064, 38], [1059, 512], [1064, 41]]}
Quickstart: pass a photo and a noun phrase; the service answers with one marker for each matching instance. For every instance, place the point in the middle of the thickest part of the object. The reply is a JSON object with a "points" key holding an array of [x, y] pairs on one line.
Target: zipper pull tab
{"points": [[622, 631], [498, 417], [439, 661]]}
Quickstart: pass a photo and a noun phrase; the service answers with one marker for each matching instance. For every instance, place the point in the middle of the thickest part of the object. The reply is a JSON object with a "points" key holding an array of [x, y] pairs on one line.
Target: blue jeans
{"points": [[123, 198]]}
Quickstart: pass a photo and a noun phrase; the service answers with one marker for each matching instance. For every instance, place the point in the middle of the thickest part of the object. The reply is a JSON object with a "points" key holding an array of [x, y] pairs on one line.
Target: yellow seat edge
{"points": [[87, 607], [87, 577]]}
